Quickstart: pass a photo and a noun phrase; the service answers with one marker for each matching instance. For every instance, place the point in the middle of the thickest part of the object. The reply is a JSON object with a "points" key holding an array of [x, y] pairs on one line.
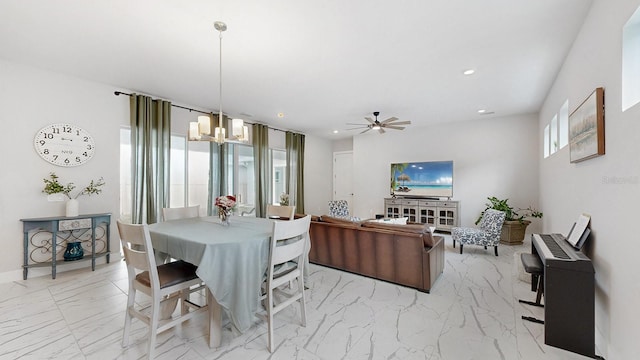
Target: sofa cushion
{"points": [[414, 229], [340, 220]]}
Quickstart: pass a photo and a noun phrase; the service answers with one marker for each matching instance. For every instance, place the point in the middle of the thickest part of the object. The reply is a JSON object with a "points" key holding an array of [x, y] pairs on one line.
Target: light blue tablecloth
{"points": [[231, 259]]}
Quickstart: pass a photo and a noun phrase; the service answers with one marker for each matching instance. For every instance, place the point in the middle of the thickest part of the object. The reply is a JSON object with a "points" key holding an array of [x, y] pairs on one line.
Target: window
{"points": [[191, 168], [125, 175], [245, 188], [546, 142], [189, 174], [563, 131], [278, 174], [553, 135], [631, 61], [197, 175], [178, 174]]}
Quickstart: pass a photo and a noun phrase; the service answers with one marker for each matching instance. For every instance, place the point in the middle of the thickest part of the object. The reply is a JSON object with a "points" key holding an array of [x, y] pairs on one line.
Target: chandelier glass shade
{"points": [[201, 130]]}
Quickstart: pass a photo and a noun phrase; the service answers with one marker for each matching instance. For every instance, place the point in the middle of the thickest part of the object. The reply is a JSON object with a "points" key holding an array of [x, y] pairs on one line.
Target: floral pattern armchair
{"points": [[488, 234]]}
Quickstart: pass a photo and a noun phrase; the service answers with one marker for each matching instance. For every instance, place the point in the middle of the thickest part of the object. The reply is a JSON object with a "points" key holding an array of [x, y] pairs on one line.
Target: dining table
{"points": [[231, 259]]}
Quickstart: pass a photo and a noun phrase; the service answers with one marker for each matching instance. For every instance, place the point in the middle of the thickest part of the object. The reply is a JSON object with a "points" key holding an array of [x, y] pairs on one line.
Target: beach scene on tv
{"points": [[422, 179]]}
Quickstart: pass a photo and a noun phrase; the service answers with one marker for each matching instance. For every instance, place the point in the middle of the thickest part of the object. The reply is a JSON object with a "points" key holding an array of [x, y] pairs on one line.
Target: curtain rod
{"points": [[118, 93]]}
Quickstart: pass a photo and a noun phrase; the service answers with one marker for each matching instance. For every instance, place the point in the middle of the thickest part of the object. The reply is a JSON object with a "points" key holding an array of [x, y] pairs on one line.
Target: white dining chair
{"points": [[281, 211], [180, 212], [288, 245], [161, 283]]}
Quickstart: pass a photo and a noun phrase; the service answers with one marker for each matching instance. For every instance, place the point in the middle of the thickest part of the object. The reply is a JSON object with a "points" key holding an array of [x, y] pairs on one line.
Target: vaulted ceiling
{"points": [[319, 63]]}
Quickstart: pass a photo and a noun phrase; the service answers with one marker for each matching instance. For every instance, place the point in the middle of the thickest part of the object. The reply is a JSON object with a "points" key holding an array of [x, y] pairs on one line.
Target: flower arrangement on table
{"points": [[225, 205], [284, 199]]}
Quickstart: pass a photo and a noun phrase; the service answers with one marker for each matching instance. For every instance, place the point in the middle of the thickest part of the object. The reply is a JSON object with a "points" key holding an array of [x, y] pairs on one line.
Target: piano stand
{"points": [[533, 266]]}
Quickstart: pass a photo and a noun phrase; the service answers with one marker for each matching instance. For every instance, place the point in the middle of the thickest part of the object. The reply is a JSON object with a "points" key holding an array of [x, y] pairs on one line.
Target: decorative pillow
{"points": [[397, 221], [338, 208], [414, 229]]}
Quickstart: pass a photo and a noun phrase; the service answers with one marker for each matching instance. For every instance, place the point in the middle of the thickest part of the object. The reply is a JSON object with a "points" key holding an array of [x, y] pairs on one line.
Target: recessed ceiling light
{"points": [[280, 115], [485, 112], [335, 131], [469, 72], [482, 111]]}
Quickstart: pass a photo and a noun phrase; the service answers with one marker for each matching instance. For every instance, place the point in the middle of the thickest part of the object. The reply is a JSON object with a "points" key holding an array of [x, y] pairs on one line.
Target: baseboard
{"points": [[16, 275]]}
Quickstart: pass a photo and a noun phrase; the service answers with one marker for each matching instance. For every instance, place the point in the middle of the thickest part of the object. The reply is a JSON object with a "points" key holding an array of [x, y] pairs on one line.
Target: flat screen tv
{"points": [[432, 179]]}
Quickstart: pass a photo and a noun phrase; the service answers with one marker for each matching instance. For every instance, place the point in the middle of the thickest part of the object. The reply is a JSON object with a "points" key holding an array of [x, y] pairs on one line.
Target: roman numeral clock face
{"points": [[64, 144]]}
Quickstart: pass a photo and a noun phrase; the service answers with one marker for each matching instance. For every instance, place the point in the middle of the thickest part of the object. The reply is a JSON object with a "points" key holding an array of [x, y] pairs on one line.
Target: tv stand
{"points": [[443, 214]]}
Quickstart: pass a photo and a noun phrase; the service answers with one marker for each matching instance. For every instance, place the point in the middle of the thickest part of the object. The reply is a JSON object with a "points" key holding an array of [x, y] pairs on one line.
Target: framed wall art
{"points": [[586, 128]]}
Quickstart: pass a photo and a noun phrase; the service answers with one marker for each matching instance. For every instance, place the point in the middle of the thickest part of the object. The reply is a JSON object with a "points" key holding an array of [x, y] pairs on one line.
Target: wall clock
{"points": [[64, 144]]}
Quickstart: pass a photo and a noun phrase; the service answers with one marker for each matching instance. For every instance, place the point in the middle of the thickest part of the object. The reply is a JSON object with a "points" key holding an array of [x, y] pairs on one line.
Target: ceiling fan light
{"points": [[376, 127]]}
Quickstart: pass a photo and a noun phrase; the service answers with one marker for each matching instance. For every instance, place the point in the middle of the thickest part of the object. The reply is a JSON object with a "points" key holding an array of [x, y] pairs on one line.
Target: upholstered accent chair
{"points": [[339, 208], [487, 234]]}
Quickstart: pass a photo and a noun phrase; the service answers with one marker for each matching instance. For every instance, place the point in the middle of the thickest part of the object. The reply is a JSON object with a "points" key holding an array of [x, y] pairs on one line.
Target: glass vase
{"points": [[224, 217]]}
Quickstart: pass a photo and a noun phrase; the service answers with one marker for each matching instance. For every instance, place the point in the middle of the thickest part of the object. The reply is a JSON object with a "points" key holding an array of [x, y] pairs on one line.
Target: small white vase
{"points": [[73, 208]]}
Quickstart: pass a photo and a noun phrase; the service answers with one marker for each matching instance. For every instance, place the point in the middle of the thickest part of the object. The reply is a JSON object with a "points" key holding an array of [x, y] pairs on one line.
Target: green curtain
{"points": [[295, 169], [260, 141], [150, 148]]}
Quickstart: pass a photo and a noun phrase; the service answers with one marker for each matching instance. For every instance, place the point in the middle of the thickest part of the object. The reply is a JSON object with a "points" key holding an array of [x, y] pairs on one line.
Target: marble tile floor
{"points": [[471, 313]]}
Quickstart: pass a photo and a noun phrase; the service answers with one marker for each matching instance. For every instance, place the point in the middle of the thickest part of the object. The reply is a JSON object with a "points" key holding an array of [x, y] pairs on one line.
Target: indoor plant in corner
{"points": [[515, 222]]}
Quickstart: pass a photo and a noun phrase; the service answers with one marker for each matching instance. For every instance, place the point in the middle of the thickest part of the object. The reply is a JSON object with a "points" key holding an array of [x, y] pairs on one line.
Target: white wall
{"points": [[492, 157], [318, 172], [607, 187], [31, 98]]}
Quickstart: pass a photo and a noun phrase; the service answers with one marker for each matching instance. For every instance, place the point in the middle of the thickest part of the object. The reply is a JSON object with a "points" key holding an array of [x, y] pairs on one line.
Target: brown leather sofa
{"points": [[403, 254]]}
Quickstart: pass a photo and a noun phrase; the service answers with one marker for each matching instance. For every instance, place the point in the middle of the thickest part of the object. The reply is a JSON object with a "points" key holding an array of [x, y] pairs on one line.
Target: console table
{"points": [[45, 239], [443, 214]]}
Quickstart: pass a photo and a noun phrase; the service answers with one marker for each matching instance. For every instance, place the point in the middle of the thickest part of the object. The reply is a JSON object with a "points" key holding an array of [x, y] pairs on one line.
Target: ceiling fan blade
{"points": [[369, 120], [394, 127], [368, 128], [381, 131], [401, 123], [390, 120], [356, 128]]}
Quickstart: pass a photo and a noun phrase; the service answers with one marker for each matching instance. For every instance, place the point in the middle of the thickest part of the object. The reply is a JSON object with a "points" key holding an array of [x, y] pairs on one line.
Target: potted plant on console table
{"points": [[515, 222]]}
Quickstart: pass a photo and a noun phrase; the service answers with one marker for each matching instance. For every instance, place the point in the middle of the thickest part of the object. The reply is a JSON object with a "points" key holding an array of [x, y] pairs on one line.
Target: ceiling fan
{"points": [[389, 123]]}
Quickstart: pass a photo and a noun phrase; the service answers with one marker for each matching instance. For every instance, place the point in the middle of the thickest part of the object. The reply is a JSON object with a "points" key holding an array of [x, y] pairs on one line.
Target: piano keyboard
{"points": [[553, 246]]}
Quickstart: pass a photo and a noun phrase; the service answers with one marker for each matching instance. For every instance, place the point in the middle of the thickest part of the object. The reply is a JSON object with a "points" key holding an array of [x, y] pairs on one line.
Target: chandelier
{"points": [[201, 130]]}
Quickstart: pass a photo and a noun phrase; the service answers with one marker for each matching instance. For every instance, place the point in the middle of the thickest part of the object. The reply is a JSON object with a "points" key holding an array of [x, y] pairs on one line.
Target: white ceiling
{"points": [[322, 63]]}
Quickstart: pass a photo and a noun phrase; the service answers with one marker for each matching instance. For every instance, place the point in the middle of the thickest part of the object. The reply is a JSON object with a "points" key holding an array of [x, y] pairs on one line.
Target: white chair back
{"points": [[281, 211], [286, 263], [136, 241], [181, 213]]}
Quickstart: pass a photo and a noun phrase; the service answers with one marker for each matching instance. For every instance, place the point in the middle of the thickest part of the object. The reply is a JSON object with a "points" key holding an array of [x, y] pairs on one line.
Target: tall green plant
{"points": [[510, 213]]}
